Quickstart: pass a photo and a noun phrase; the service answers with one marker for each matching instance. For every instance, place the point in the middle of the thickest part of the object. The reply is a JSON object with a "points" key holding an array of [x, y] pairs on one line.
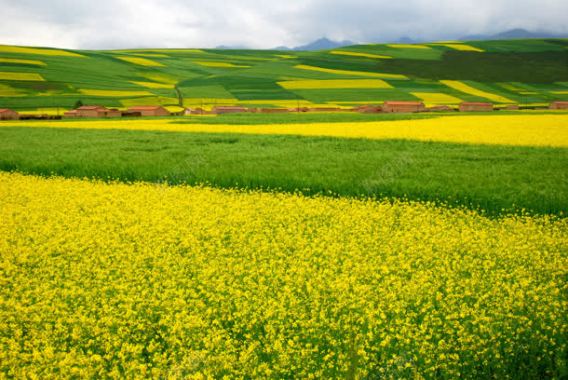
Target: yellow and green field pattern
{"points": [[141, 280], [546, 130], [528, 73]]}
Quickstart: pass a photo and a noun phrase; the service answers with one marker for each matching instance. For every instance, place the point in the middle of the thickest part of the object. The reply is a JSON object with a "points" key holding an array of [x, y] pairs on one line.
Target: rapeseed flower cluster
{"points": [[144, 280]]}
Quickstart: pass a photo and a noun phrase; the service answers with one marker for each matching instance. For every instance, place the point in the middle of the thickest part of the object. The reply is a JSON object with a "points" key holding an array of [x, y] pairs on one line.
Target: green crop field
{"points": [[526, 72], [495, 179]]}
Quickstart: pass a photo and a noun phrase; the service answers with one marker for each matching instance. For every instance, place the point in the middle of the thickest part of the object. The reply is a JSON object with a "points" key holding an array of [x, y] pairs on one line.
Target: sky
{"points": [[113, 24]]}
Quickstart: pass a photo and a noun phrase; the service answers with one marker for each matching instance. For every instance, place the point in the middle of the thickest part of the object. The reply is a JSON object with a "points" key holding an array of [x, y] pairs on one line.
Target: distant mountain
{"points": [[405, 40], [321, 44], [235, 47], [513, 34]]}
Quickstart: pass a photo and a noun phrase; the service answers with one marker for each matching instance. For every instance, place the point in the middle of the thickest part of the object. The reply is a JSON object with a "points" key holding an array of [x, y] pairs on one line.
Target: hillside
{"points": [[516, 71]]}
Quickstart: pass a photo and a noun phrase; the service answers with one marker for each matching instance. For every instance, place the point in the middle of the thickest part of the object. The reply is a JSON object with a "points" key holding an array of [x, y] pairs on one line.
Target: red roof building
{"points": [[229, 109], [559, 105], [8, 114], [403, 107], [476, 107], [150, 110], [92, 112]]}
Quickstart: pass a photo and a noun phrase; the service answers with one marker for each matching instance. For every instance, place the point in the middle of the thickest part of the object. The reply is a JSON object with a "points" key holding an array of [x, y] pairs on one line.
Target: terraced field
{"points": [[526, 72]]}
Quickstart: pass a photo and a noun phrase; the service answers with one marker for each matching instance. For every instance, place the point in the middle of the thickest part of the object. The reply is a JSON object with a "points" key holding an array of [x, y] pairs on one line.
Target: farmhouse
{"points": [[368, 108], [8, 114], [71, 114], [229, 109], [475, 107], [92, 111], [559, 105], [399, 107], [150, 110]]}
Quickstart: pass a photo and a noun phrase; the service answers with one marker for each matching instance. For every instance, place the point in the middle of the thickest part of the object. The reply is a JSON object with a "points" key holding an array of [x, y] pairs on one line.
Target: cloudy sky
{"points": [[105, 24]]}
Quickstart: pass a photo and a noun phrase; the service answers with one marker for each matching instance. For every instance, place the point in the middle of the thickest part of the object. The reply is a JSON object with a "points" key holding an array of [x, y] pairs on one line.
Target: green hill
{"points": [[515, 71]]}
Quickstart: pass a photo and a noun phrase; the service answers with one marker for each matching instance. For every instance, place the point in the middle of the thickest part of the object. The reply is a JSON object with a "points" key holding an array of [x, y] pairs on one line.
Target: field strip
{"points": [[38, 51], [351, 72], [467, 89], [220, 64], [157, 270], [514, 130], [141, 61], [23, 61], [359, 54], [333, 83], [28, 77], [459, 46]]}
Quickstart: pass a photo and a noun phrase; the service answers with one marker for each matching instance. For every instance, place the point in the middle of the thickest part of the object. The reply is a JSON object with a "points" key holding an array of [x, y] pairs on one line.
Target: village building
{"points": [[92, 112], [403, 107], [229, 109], [150, 110], [559, 105], [368, 108], [71, 114], [8, 114], [476, 107]]}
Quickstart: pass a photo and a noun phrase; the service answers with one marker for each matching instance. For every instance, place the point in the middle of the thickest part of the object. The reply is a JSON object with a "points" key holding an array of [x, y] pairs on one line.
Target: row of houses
{"points": [[387, 107], [103, 112]]}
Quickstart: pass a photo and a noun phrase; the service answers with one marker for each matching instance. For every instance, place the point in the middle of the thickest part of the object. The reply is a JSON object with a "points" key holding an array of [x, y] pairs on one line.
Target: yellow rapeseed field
{"points": [[136, 281], [29, 77], [334, 83], [38, 51], [351, 72], [114, 93], [408, 46], [153, 84], [159, 77], [152, 55], [8, 91], [359, 54], [22, 61], [517, 130], [141, 61], [460, 46], [436, 98], [220, 64], [467, 89]]}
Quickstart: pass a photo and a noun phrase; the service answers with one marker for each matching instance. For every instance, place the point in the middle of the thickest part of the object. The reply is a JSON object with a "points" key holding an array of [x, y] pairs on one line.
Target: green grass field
{"points": [[32, 78], [493, 178]]}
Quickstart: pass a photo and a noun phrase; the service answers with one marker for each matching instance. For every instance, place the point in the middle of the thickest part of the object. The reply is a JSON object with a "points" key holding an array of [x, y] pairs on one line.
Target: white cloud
{"points": [[262, 24]]}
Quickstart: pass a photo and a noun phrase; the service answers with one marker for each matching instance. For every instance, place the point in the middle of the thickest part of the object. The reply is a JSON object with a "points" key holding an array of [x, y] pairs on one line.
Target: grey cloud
{"points": [[262, 24]]}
